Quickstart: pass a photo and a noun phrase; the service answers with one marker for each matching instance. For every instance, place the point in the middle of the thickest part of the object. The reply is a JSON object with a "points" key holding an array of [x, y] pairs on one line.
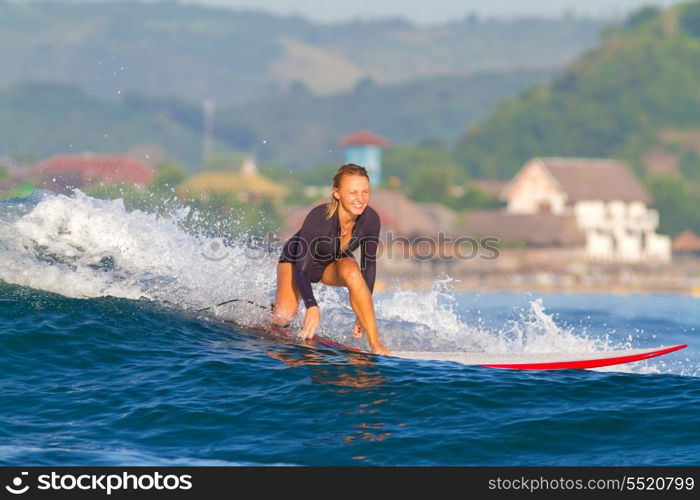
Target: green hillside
{"points": [[635, 93], [294, 130], [614, 101], [166, 49], [38, 120], [300, 130]]}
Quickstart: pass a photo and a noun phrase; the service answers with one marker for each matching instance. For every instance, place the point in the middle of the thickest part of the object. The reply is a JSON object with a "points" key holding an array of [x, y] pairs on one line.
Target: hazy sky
{"points": [[424, 11], [432, 11]]}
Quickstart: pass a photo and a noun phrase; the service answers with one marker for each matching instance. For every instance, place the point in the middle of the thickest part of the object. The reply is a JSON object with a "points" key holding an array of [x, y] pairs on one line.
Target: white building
{"points": [[609, 204]]}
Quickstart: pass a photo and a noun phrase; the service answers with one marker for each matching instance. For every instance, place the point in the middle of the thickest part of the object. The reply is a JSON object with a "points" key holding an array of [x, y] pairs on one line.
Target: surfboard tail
{"points": [[544, 361], [589, 363]]}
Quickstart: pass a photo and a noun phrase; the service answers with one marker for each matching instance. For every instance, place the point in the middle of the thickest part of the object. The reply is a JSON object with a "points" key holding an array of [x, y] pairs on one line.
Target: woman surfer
{"points": [[321, 251]]}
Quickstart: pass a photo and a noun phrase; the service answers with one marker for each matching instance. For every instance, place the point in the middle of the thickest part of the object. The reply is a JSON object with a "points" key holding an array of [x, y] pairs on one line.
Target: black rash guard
{"points": [[317, 244]]}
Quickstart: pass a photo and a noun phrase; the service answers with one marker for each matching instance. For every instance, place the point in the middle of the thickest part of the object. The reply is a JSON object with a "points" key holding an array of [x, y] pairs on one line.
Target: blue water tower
{"points": [[364, 148]]}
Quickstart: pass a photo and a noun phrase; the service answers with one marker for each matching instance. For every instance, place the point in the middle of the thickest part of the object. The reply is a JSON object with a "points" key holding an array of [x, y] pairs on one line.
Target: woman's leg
{"points": [[287, 296], [345, 272]]}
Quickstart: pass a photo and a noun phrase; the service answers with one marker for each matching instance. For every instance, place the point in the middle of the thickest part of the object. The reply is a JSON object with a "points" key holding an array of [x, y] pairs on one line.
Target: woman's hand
{"points": [[357, 329], [311, 321]]}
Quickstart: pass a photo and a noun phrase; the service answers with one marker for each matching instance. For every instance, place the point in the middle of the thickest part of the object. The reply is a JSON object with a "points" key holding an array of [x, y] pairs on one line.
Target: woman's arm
{"points": [[307, 234], [368, 252], [301, 278]]}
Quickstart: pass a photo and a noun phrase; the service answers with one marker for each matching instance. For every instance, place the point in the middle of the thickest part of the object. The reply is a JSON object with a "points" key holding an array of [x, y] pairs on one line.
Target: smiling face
{"points": [[353, 194]]}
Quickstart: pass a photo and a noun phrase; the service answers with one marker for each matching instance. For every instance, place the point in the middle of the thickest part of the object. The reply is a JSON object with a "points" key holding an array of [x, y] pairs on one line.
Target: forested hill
{"points": [[300, 130], [636, 92], [635, 97], [294, 129], [38, 120], [188, 52]]}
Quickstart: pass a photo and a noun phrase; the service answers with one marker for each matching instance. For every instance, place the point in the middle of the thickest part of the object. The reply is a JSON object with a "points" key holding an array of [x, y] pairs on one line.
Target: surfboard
{"points": [[514, 361], [520, 361], [543, 361]]}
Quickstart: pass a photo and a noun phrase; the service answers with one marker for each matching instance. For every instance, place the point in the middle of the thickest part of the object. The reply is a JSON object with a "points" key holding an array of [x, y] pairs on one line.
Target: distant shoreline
{"points": [[396, 283]]}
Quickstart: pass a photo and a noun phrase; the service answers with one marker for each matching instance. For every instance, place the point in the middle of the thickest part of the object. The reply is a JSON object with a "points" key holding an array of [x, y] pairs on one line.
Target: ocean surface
{"points": [[107, 361]]}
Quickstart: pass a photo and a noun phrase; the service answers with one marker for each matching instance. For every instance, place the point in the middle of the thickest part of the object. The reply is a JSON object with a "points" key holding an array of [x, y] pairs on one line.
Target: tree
{"points": [[690, 19], [677, 202], [431, 183], [427, 172], [472, 199], [168, 175], [403, 161], [641, 16]]}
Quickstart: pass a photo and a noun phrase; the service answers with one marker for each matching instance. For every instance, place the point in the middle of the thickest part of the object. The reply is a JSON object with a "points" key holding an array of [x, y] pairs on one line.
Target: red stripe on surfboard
{"points": [[318, 340], [330, 343], [590, 363], [556, 365]]}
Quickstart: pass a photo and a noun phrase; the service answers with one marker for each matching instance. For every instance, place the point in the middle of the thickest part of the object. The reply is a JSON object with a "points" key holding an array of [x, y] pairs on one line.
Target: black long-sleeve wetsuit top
{"points": [[317, 244]]}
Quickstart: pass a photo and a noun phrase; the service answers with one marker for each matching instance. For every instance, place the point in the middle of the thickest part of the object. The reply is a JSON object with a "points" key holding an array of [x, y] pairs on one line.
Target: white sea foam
{"points": [[84, 247], [79, 246]]}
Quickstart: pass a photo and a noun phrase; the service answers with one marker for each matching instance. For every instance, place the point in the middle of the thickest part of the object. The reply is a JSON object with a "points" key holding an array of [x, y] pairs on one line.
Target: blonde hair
{"points": [[347, 169]]}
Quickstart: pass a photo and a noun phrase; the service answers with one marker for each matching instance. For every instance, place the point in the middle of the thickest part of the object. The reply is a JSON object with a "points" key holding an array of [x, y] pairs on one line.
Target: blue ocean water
{"points": [[105, 362]]}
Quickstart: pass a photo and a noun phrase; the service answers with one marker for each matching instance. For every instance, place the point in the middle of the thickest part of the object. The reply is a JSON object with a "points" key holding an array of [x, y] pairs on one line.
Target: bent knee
{"points": [[352, 275]]}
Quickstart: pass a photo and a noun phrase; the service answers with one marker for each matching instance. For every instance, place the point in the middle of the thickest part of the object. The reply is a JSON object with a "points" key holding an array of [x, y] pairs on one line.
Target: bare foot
{"points": [[357, 330]]}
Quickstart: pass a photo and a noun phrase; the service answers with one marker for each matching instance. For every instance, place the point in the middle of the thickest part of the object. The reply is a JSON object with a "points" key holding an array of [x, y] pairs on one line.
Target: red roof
{"points": [[364, 138], [89, 168]]}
